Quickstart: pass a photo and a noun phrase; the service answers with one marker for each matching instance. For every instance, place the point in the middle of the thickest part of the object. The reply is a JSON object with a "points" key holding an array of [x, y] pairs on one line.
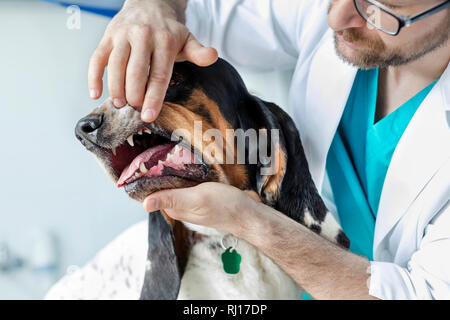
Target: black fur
{"points": [[162, 279]]}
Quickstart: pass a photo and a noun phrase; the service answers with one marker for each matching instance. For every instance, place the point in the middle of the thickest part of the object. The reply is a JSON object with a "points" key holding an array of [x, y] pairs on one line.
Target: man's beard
{"points": [[375, 54]]}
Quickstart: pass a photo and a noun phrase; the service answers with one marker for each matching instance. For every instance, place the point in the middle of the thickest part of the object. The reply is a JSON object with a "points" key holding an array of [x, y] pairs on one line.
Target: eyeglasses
{"points": [[384, 19]]}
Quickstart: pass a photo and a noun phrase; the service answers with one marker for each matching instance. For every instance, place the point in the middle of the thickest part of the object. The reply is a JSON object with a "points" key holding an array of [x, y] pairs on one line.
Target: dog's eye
{"points": [[173, 83], [176, 80]]}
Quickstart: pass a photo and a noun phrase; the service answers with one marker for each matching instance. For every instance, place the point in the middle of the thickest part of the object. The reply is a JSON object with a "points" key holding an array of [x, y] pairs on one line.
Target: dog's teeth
{"points": [[143, 169], [146, 130], [114, 151], [130, 140], [140, 132], [177, 148], [160, 162]]}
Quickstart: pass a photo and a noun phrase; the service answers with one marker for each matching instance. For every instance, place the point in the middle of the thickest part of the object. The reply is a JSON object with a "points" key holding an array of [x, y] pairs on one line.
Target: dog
{"points": [[142, 158]]}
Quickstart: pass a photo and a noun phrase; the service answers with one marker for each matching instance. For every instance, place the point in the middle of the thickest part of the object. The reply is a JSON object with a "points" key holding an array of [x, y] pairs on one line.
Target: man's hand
{"points": [[210, 204], [323, 269], [140, 45]]}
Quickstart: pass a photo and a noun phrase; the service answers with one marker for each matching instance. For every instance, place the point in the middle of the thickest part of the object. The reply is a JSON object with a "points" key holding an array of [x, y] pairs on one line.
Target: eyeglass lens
{"points": [[377, 17]]}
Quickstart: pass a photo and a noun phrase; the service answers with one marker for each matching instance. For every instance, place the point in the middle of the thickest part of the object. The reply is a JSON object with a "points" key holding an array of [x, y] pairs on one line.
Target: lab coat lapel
{"points": [[328, 87], [422, 150]]}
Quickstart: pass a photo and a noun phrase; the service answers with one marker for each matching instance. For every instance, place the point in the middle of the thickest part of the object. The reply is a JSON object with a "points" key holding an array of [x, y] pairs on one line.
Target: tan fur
{"points": [[270, 187], [174, 116]]}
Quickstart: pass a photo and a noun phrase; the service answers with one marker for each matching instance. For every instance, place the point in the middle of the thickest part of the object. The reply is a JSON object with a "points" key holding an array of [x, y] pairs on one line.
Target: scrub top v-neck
{"points": [[360, 155]]}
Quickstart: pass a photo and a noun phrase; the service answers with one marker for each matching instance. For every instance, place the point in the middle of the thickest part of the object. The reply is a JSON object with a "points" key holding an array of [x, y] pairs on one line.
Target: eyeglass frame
{"points": [[403, 21]]}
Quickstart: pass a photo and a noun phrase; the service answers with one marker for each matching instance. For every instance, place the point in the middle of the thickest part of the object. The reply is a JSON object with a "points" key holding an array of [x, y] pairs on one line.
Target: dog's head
{"points": [[210, 129], [167, 153]]}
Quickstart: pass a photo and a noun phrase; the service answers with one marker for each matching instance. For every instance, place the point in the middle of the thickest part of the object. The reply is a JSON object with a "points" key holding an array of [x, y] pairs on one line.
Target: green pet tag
{"points": [[231, 259]]}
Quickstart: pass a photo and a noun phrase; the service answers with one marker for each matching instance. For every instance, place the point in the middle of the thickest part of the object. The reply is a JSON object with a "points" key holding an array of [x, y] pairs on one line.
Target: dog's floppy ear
{"points": [[289, 187], [169, 244]]}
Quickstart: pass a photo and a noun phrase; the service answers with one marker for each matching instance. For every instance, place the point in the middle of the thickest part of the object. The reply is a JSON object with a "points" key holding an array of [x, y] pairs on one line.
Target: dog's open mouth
{"points": [[152, 155]]}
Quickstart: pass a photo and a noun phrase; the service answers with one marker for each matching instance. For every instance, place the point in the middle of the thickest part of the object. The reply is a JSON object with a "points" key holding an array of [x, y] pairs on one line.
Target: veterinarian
{"points": [[371, 98]]}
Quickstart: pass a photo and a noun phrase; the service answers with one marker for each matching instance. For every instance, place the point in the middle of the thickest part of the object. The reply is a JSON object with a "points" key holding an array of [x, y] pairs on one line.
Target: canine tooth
{"points": [[143, 168], [147, 131], [114, 151], [140, 132], [177, 148], [160, 162], [130, 140]]}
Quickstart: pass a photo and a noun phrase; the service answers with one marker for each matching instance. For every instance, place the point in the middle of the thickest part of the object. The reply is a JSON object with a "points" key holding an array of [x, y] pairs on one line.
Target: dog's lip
{"points": [[151, 128], [145, 186]]}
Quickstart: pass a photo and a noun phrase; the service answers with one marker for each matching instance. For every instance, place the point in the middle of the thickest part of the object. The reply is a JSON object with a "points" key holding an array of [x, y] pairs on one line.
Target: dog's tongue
{"points": [[151, 157], [155, 159]]}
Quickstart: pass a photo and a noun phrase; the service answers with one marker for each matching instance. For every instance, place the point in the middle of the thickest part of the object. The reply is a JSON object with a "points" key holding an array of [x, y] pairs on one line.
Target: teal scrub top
{"points": [[360, 155]]}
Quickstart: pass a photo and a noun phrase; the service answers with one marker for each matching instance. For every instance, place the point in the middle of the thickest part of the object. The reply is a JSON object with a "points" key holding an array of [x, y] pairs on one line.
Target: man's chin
{"points": [[369, 58], [359, 58]]}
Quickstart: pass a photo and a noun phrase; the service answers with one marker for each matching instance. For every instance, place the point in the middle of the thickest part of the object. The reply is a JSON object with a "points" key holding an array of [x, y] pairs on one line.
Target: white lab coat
{"points": [[412, 235]]}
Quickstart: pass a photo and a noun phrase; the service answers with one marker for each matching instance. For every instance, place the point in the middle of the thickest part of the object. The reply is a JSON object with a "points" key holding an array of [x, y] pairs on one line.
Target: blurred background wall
{"points": [[57, 207]]}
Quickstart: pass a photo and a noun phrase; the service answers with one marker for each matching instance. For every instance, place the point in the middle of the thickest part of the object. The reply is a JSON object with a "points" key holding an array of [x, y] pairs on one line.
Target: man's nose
{"points": [[87, 127], [343, 15]]}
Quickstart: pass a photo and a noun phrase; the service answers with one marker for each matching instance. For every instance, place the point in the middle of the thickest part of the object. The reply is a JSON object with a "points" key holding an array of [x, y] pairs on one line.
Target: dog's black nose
{"points": [[88, 125]]}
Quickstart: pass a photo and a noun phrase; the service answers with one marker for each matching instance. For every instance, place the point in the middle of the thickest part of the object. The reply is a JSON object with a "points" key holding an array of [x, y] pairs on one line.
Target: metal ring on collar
{"points": [[228, 235]]}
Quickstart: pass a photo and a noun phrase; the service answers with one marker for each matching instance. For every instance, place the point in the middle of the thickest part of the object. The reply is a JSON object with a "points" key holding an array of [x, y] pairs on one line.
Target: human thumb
{"points": [[167, 199], [198, 54]]}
